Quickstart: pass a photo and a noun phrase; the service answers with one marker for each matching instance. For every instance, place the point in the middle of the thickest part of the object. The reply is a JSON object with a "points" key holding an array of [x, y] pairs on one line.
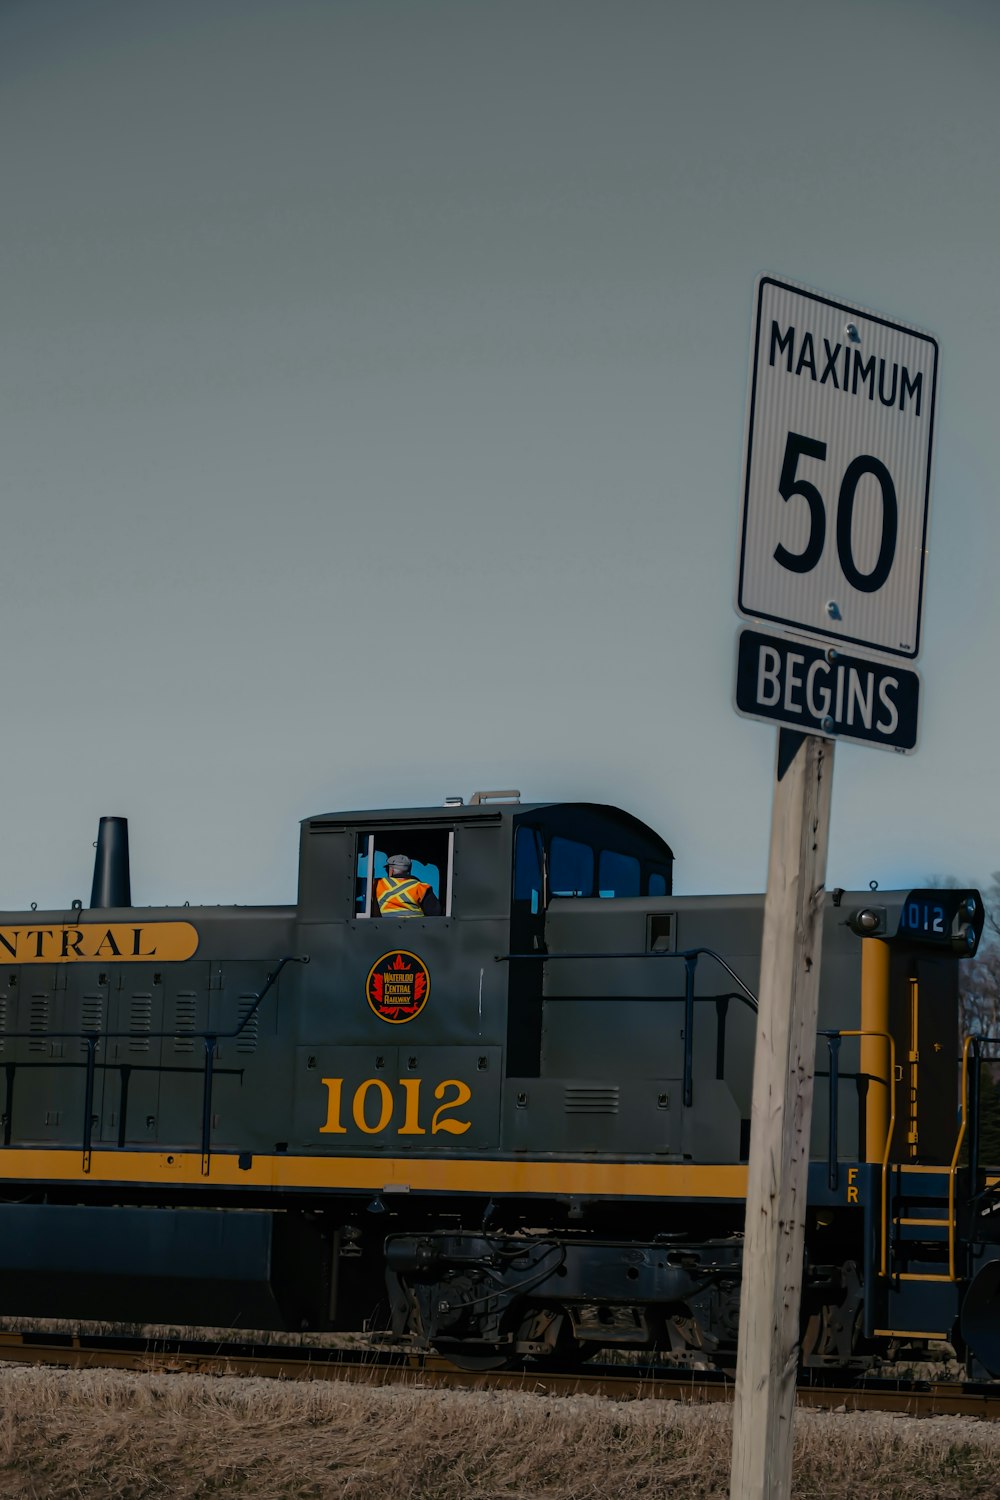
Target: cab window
{"points": [[618, 874], [571, 867], [403, 873]]}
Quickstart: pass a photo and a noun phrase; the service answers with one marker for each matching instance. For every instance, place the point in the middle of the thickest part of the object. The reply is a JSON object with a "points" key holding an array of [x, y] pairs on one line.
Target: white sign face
{"points": [[836, 475]]}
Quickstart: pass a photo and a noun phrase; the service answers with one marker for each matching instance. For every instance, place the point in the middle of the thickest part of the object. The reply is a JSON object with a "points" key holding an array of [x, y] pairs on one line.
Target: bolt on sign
{"points": [[830, 693], [837, 468]]}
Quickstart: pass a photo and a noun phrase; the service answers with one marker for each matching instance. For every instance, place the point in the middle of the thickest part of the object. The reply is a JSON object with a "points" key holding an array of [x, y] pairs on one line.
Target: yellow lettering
{"points": [[462, 1096], [411, 1107], [452, 1092], [360, 1099], [852, 1174], [333, 1126], [852, 1195]]}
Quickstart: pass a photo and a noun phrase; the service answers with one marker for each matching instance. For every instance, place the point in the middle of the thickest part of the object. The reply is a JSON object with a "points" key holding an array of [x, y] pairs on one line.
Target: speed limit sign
{"points": [[836, 477]]}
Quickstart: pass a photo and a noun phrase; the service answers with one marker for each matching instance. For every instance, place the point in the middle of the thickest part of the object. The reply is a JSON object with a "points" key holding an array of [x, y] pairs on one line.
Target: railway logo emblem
{"points": [[397, 987]]}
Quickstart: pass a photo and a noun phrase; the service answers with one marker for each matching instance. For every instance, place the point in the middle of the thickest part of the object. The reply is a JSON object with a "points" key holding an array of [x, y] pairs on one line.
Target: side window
{"points": [[618, 874], [571, 868], [657, 884], [528, 868], [405, 873]]}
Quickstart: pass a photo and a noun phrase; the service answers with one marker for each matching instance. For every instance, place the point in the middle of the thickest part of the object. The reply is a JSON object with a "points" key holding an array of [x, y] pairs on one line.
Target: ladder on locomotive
{"points": [[922, 1248]]}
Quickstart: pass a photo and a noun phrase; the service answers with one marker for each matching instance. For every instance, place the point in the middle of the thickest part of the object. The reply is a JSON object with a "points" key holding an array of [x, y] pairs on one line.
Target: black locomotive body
{"points": [[514, 1128]]}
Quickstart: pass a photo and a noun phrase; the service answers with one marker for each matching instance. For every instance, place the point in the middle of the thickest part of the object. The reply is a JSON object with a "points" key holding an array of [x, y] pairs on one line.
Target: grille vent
{"points": [[247, 1039], [139, 1020], [185, 1015], [38, 1020], [3, 1022], [598, 1100], [91, 1015]]}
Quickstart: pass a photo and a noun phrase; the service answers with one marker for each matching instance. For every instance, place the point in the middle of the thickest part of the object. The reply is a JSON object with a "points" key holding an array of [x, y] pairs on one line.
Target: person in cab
{"points": [[400, 894]]}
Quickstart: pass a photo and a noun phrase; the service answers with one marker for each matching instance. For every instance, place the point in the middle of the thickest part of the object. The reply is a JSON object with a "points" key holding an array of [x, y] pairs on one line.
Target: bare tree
{"points": [[979, 983], [979, 977]]}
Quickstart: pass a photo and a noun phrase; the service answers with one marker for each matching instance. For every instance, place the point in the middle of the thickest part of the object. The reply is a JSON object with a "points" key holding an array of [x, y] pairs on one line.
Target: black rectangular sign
{"points": [[824, 691]]}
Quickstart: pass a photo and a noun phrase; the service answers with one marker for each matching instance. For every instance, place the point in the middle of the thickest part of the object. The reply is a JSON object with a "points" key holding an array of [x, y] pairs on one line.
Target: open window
{"points": [[529, 870], [404, 873]]}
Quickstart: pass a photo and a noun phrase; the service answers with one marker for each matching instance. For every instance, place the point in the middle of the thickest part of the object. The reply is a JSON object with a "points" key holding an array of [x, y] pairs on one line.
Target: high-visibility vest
{"points": [[400, 898]]}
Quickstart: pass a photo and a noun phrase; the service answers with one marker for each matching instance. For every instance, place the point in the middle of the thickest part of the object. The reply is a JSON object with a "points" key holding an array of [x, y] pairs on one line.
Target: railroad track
{"points": [[422, 1370]]}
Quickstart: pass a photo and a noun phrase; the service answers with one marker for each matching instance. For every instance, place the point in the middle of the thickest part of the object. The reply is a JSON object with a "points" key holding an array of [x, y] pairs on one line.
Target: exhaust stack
{"points": [[112, 882]]}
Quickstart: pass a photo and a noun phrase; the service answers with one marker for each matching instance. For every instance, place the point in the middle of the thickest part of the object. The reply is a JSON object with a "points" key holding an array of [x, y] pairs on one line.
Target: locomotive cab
{"points": [[406, 1018]]}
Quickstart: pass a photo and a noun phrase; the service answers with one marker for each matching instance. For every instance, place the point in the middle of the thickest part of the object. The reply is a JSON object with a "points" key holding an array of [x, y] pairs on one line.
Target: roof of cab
{"points": [[452, 813], [443, 812]]}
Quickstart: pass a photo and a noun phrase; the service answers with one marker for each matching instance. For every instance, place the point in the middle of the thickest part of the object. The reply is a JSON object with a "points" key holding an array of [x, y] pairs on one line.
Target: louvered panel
{"points": [[247, 1039], [91, 1014], [3, 1022], [583, 1099], [140, 1015], [38, 1020], [185, 1018]]}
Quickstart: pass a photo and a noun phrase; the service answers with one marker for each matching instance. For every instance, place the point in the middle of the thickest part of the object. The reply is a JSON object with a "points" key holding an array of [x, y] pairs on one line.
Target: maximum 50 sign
{"points": [[837, 471]]}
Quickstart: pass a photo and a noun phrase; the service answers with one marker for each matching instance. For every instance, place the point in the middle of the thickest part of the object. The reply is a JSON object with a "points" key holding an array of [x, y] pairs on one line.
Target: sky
{"points": [[373, 378]]}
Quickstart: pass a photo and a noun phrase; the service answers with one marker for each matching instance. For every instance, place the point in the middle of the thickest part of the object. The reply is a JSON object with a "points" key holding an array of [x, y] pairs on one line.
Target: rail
{"points": [[690, 957], [92, 1039], [235, 1356]]}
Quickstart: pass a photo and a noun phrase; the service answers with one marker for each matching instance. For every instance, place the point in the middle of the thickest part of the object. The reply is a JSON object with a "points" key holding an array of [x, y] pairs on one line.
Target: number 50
{"points": [[798, 446]]}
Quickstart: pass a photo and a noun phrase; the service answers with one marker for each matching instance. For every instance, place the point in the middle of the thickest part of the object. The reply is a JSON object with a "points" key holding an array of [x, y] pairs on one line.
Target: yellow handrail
{"points": [[953, 1169]]}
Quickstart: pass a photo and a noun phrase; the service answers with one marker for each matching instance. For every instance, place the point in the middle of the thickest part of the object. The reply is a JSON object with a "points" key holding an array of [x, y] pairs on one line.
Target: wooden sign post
{"points": [[817, 456], [781, 1115]]}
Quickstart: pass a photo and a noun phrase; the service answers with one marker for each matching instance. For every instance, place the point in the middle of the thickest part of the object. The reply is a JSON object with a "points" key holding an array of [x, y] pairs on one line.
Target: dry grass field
{"points": [[105, 1434]]}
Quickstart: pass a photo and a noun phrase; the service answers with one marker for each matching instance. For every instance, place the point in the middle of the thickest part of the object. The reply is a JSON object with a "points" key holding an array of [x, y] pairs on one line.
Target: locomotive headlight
{"points": [[867, 921], [964, 940], [969, 908]]}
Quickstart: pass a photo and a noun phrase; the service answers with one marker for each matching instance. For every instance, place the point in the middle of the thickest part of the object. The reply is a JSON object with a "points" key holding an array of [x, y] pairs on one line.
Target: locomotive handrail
{"points": [[690, 957], [503, 958], [968, 1088], [990, 1190], [209, 1039], [969, 1094], [156, 1036], [836, 1036]]}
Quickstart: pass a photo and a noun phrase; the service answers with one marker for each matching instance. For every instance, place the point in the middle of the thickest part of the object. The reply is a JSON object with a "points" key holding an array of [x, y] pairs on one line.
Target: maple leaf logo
{"points": [[398, 986]]}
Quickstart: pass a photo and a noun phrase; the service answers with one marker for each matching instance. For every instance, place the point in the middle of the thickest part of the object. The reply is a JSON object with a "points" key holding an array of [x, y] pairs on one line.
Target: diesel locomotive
{"points": [[510, 1122]]}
